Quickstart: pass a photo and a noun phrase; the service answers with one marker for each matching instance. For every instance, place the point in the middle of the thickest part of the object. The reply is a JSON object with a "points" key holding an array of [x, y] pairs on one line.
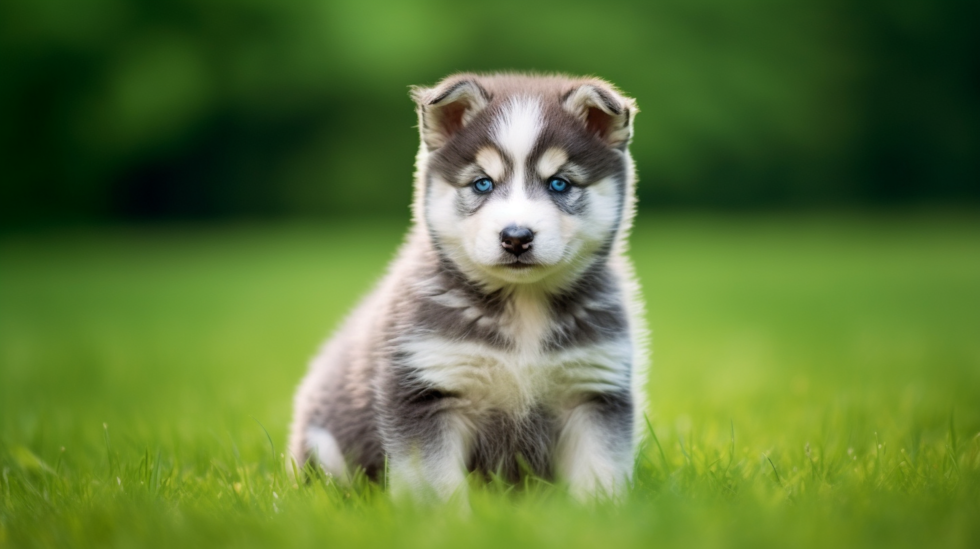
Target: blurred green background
{"points": [[193, 193], [215, 109]]}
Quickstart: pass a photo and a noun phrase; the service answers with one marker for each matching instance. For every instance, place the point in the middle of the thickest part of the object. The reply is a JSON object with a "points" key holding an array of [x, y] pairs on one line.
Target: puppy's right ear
{"points": [[446, 109]]}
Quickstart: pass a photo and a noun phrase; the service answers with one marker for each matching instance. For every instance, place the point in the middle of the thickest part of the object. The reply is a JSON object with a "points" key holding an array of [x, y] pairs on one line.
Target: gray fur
{"points": [[379, 387]]}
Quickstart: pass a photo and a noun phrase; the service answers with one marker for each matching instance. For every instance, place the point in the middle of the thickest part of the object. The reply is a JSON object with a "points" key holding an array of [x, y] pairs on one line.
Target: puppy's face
{"points": [[525, 178]]}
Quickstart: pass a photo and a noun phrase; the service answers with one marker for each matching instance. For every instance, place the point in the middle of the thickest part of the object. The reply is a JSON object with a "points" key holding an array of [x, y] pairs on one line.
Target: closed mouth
{"points": [[519, 265]]}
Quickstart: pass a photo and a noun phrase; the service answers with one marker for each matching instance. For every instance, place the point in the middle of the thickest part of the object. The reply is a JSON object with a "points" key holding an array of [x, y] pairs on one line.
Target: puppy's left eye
{"points": [[558, 184]]}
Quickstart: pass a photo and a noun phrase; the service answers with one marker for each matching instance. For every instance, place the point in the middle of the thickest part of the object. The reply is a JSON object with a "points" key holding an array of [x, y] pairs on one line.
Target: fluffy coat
{"points": [[508, 334]]}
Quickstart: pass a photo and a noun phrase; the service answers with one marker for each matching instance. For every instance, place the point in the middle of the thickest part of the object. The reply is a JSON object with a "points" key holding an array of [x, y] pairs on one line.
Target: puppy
{"points": [[508, 334]]}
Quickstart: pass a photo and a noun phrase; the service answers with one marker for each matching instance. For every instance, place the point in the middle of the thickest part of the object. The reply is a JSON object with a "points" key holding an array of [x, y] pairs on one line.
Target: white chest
{"points": [[514, 380]]}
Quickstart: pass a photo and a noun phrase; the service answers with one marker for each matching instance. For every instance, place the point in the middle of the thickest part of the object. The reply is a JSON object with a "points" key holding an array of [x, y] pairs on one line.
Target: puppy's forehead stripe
{"points": [[492, 164], [551, 161], [518, 126]]}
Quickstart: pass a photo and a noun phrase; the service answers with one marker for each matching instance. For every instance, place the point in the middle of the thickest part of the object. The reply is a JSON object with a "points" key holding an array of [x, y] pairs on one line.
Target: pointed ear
{"points": [[603, 111], [447, 108]]}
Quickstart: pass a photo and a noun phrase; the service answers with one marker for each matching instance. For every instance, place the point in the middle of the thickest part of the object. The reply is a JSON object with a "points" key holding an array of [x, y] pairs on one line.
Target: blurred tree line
{"points": [[132, 109]]}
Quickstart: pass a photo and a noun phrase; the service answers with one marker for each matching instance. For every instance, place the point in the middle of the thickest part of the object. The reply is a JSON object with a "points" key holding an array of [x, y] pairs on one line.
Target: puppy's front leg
{"points": [[595, 447], [427, 445]]}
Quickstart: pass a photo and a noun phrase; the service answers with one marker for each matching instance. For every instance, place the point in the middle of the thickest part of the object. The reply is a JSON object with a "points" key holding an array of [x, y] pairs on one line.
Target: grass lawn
{"points": [[815, 383]]}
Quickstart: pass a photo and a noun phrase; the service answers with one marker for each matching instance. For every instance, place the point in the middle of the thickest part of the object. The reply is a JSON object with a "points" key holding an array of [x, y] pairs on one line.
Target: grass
{"points": [[815, 383]]}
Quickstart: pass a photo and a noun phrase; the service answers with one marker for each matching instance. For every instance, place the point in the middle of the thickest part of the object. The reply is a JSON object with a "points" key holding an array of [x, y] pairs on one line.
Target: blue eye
{"points": [[483, 186], [558, 185]]}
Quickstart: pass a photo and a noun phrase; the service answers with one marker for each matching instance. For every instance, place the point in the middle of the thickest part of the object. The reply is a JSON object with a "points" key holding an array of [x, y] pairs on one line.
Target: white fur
{"points": [[324, 448], [508, 380], [517, 129], [440, 475], [587, 460]]}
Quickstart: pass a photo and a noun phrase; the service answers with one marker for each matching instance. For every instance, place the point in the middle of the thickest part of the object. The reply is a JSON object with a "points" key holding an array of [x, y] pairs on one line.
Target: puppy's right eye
{"points": [[483, 185]]}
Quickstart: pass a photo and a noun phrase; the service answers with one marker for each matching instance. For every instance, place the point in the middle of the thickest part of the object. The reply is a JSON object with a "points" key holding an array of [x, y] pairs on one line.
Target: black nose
{"points": [[516, 240]]}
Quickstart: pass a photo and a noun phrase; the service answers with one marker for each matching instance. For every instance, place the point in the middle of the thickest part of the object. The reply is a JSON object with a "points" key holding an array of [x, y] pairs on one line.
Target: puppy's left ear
{"points": [[604, 112], [447, 108]]}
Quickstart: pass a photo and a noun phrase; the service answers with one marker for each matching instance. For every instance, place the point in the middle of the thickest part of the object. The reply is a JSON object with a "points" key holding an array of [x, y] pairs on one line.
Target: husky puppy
{"points": [[507, 336]]}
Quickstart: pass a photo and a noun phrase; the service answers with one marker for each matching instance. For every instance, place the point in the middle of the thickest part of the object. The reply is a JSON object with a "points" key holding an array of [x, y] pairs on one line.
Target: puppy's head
{"points": [[523, 179]]}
